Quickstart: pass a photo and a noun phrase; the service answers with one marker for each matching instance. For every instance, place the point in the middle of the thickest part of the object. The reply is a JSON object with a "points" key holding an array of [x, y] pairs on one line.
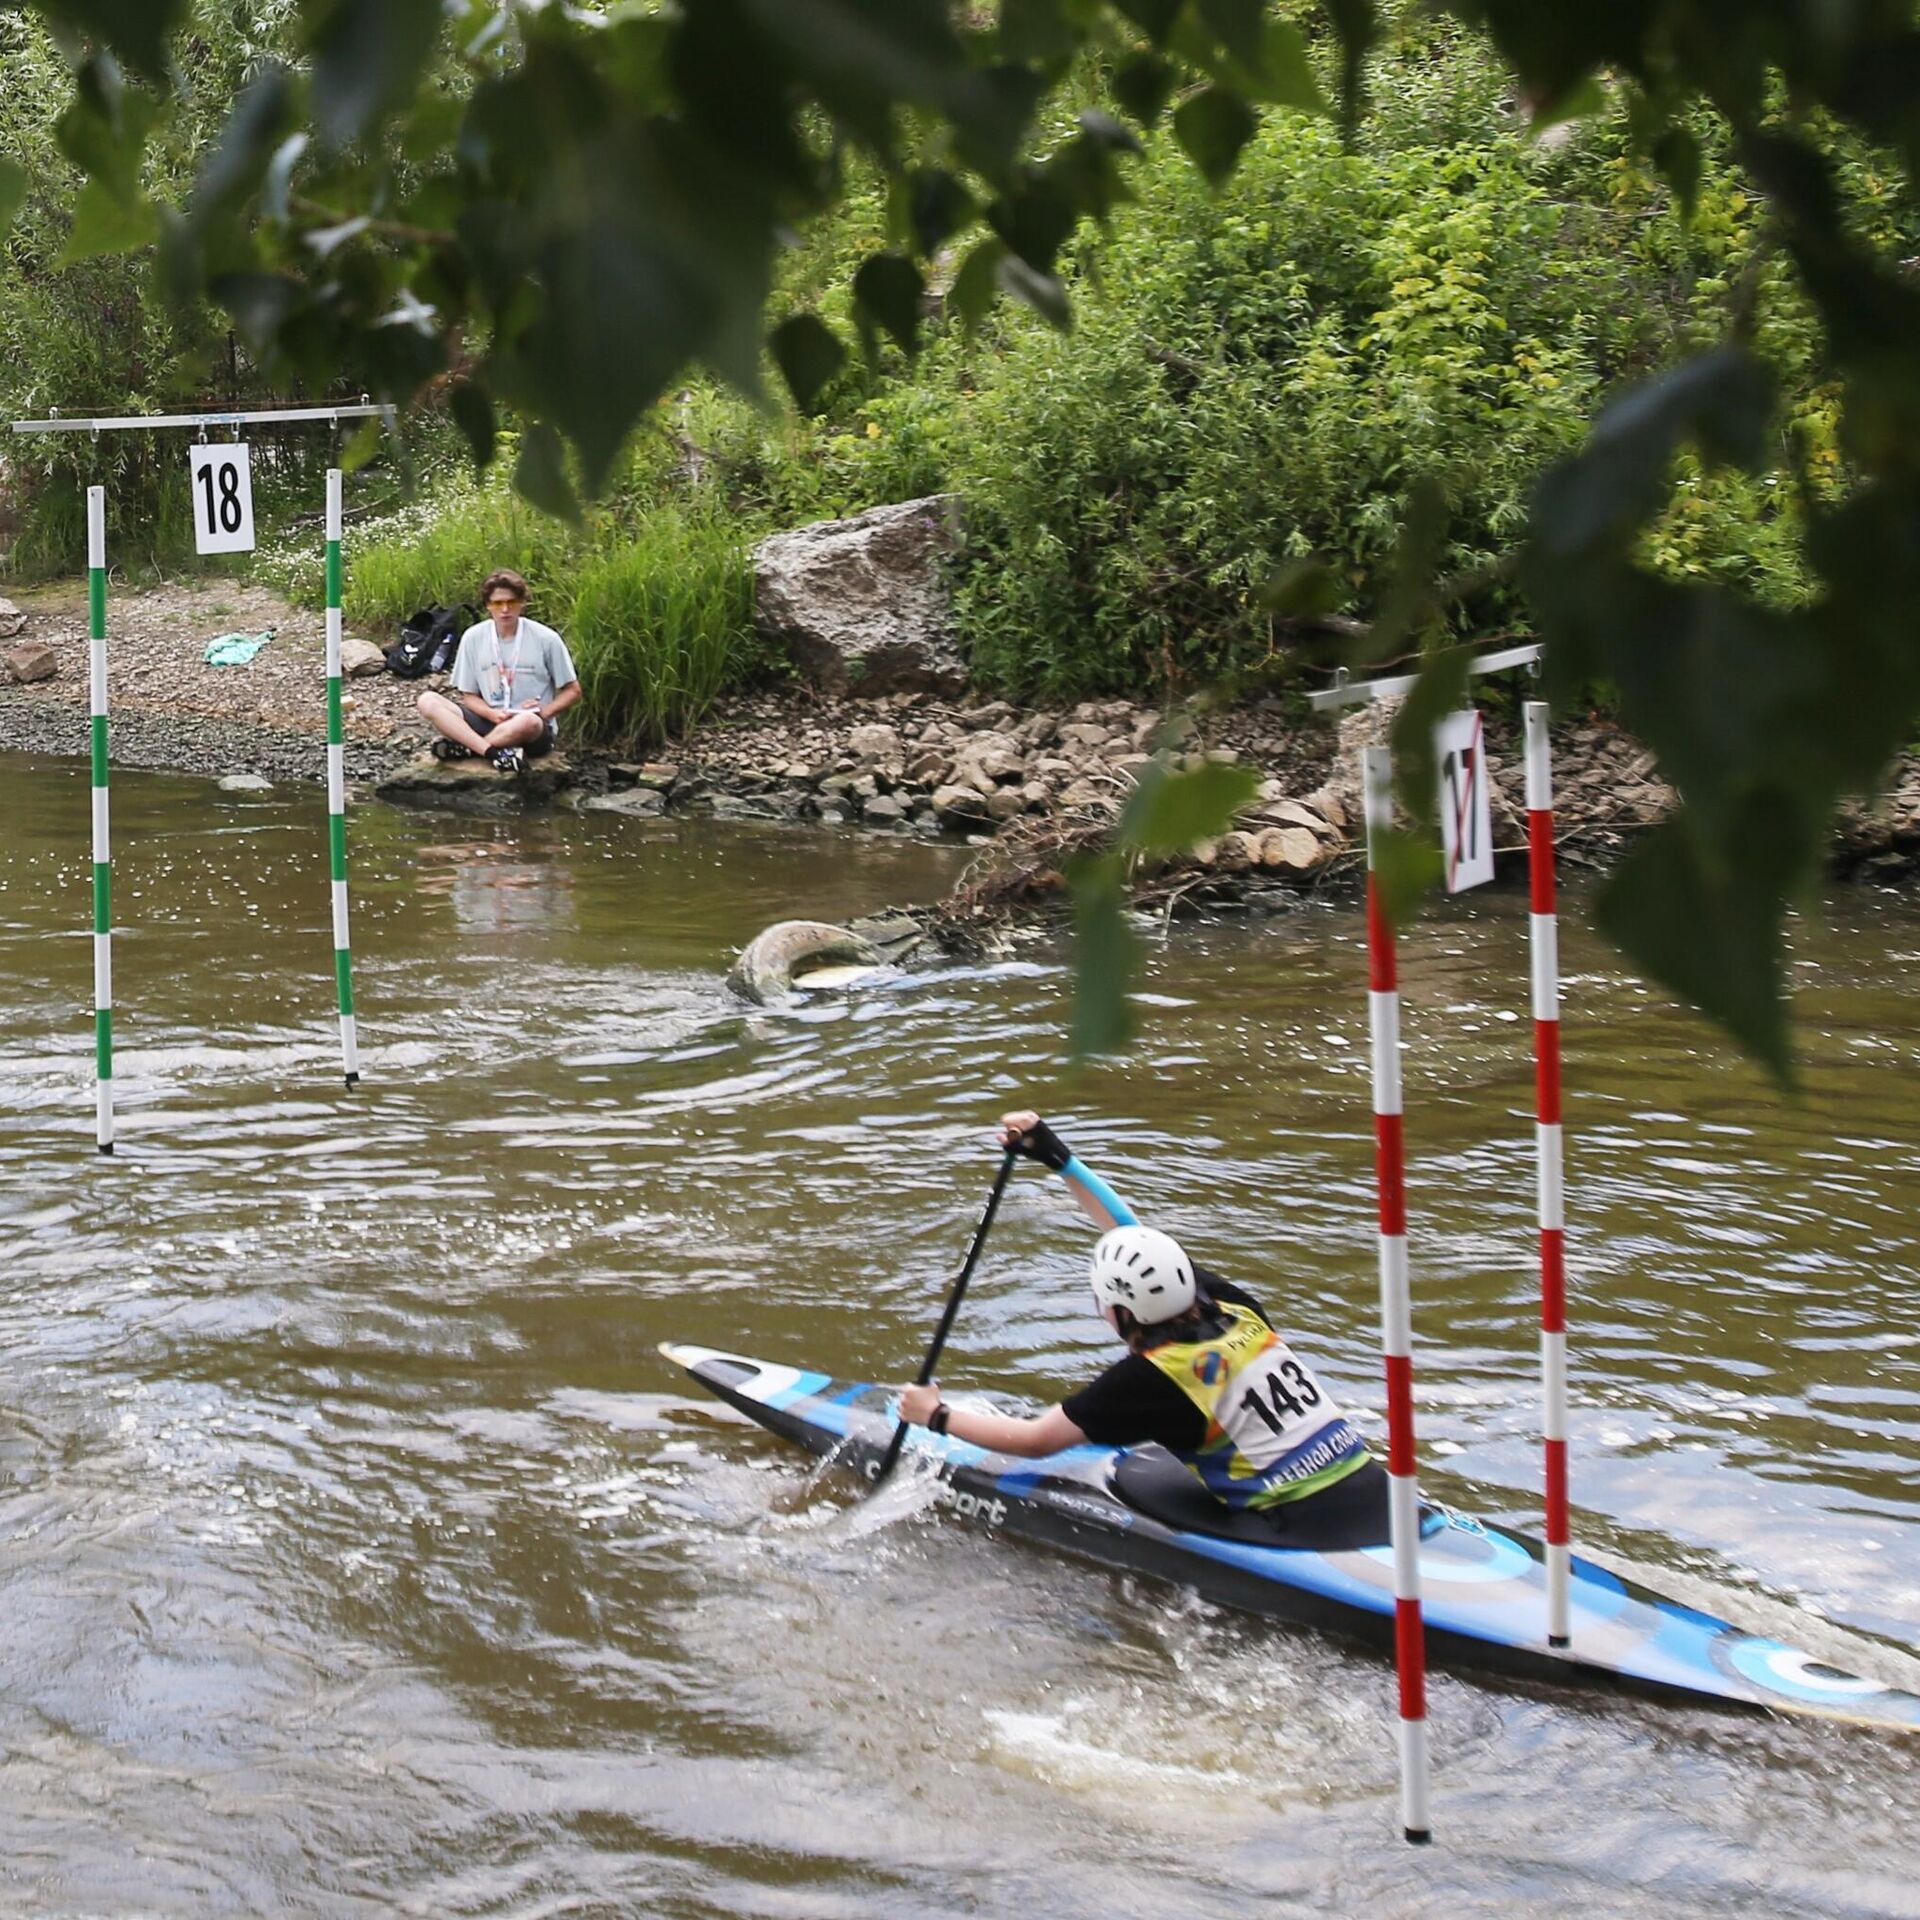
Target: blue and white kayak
{"points": [[1485, 1590]]}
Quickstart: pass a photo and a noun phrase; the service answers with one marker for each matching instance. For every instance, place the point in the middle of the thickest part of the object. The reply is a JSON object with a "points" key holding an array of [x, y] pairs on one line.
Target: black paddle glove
{"points": [[1041, 1143]]}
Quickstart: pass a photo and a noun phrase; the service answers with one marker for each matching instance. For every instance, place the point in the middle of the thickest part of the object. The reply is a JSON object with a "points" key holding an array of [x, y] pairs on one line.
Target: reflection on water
{"points": [[492, 892], [361, 1556]]}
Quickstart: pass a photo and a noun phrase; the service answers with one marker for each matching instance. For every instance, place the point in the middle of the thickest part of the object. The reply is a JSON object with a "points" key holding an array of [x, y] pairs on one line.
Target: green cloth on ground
{"points": [[235, 649]]}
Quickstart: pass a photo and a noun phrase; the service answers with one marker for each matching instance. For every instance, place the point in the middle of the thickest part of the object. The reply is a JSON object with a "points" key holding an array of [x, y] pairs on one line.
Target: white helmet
{"points": [[1145, 1271]]}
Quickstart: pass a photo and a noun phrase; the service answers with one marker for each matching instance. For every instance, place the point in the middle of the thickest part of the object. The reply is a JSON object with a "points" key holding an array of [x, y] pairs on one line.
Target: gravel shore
{"points": [[169, 710]]}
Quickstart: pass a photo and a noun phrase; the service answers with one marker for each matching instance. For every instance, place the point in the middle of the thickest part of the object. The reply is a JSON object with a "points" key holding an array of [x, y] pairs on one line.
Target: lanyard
{"points": [[508, 673]]}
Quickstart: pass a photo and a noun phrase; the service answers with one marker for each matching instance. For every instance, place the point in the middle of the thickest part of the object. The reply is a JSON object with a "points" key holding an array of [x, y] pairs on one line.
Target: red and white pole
{"points": [[1544, 946], [1396, 1312]]}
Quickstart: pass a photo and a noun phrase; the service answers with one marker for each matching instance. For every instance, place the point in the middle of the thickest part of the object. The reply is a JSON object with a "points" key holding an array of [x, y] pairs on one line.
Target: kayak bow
{"points": [[1485, 1588]]}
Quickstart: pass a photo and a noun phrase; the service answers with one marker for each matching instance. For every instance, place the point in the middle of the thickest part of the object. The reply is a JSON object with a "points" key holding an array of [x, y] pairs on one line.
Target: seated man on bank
{"points": [[514, 677], [1205, 1375]]}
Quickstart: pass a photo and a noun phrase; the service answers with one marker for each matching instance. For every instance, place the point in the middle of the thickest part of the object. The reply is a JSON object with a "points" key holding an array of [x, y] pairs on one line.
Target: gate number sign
{"points": [[1466, 820], [222, 480]]}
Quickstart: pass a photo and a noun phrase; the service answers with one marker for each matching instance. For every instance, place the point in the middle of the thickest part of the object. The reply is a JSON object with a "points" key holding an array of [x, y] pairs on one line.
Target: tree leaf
{"points": [[1677, 154], [1038, 216], [1214, 127], [1407, 867], [1105, 951], [103, 128], [1356, 24], [976, 283], [938, 206], [1302, 590], [13, 191], [1439, 689], [1406, 608], [1040, 291], [1709, 925], [367, 57], [472, 409], [1618, 479], [540, 475], [137, 30], [1087, 179], [1584, 99], [808, 354], [1283, 76], [259, 303], [1167, 812], [1170, 812], [994, 110], [1154, 18], [276, 188], [362, 444], [103, 223], [886, 296], [1036, 30], [1238, 25], [1144, 85], [251, 146]]}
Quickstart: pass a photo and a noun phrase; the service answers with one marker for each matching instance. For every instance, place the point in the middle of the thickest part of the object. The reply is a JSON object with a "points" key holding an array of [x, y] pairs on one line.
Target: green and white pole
{"points": [[337, 791], [102, 846]]}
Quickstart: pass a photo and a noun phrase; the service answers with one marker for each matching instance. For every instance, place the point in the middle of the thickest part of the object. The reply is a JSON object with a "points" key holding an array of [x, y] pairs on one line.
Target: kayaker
{"points": [[1205, 1375]]}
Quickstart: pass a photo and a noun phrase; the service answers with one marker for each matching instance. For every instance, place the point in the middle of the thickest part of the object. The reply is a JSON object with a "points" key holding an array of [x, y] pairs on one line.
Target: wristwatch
{"points": [[938, 1418]]}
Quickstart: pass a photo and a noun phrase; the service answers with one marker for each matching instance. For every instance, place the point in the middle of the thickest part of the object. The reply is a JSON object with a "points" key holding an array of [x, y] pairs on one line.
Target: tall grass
{"points": [[439, 552], [662, 627]]}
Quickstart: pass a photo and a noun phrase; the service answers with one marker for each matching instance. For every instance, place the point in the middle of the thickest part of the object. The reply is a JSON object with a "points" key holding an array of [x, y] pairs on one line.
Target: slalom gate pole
{"points": [[337, 793], [102, 839], [1396, 1313], [1544, 946]]}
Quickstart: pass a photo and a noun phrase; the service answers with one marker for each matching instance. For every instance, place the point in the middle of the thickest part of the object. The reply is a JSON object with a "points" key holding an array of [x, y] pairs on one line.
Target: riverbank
{"points": [[1025, 785]]}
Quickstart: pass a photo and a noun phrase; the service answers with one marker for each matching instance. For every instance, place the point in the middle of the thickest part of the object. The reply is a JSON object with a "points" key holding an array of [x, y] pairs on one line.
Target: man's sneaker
{"points": [[507, 759], [451, 750]]}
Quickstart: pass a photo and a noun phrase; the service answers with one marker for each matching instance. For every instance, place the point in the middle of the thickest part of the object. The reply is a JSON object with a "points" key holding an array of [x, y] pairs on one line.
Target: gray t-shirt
{"points": [[533, 665]]}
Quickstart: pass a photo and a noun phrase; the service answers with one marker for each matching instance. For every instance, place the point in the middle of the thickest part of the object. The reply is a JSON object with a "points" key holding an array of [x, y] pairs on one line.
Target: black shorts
{"points": [[534, 748]]}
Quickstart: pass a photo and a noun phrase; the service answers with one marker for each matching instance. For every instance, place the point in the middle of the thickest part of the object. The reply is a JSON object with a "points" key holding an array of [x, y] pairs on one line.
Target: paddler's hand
{"points": [[917, 1404], [1029, 1136]]}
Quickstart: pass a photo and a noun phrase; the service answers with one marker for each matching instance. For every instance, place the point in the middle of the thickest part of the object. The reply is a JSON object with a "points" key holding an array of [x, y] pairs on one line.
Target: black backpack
{"points": [[429, 641]]}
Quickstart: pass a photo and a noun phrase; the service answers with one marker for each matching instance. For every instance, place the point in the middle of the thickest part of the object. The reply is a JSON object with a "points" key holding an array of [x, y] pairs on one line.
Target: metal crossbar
{"points": [[272, 416], [1346, 693]]}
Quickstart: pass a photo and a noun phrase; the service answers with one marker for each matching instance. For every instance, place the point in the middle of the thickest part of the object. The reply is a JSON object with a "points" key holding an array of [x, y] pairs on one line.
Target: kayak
{"points": [[1484, 1589]]}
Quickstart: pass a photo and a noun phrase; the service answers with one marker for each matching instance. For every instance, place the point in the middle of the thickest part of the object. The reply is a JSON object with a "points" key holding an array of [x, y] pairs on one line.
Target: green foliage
{"points": [[85, 327], [1258, 378]]}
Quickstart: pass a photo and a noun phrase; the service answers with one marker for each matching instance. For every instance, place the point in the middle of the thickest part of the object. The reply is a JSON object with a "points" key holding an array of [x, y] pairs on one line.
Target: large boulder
{"points": [[861, 604]]}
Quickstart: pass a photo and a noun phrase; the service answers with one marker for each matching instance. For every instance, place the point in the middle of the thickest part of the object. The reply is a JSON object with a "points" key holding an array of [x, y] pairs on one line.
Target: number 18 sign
{"points": [[1466, 819], [222, 480]]}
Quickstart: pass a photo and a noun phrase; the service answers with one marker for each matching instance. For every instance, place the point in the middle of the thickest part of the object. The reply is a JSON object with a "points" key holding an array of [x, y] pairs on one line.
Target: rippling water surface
{"points": [[358, 1554]]}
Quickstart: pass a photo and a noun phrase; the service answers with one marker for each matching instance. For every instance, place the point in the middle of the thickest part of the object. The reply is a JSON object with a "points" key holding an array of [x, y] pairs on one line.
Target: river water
{"points": [[359, 1555]]}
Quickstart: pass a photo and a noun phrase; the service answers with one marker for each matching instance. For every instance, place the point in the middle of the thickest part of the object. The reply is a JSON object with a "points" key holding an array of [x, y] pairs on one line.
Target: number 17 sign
{"points": [[1466, 818], [222, 480]]}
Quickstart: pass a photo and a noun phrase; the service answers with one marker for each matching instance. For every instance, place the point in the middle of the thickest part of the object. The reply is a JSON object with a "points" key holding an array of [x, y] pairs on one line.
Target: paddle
{"points": [[953, 1307]]}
